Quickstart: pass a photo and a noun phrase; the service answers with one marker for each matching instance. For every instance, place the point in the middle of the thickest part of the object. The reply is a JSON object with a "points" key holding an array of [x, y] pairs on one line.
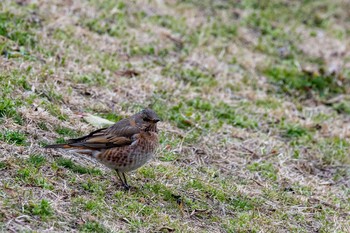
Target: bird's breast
{"points": [[130, 157]]}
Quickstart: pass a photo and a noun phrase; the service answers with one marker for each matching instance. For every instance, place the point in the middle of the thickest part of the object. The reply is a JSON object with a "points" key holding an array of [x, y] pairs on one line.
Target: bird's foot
{"points": [[126, 187]]}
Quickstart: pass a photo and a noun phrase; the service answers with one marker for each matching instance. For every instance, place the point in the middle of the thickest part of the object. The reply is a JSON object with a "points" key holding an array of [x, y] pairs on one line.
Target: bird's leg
{"points": [[123, 180], [126, 186]]}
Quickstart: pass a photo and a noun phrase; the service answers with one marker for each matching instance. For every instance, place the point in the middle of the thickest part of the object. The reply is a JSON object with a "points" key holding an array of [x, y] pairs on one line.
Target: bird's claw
{"points": [[126, 187]]}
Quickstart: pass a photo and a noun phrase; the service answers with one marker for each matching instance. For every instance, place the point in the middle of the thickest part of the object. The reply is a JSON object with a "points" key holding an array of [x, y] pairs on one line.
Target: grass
{"points": [[11, 83], [15, 30], [92, 226], [296, 82], [66, 132], [42, 209], [253, 97], [14, 137], [37, 160], [69, 164], [2, 165]]}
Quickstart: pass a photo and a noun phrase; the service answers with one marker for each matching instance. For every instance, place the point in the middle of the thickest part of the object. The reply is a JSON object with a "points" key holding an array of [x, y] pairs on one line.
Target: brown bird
{"points": [[123, 147]]}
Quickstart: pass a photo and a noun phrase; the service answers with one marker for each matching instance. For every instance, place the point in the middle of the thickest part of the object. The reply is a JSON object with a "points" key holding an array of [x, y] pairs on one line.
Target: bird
{"points": [[123, 147]]}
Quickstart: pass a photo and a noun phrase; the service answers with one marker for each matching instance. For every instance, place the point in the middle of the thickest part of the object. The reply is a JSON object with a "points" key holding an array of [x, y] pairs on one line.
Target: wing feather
{"points": [[117, 135]]}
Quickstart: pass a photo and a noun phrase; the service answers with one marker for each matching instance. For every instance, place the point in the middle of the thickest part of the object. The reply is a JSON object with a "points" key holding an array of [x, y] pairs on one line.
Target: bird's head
{"points": [[147, 120]]}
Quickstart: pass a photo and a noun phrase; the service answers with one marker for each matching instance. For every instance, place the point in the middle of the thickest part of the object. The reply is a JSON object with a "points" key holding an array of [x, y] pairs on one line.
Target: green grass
{"points": [[59, 140], [92, 226], [13, 137], [254, 123], [294, 131], [343, 108], [112, 116], [91, 79], [16, 29], [268, 103], [36, 160], [30, 175], [2, 165], [99, 23], [42, 209], [295, 82], [93, 187], [69, 164], [66, 132], [7, 107], [265, 169], [12, 82], [54, 110], [335, 151], [193, 76]]}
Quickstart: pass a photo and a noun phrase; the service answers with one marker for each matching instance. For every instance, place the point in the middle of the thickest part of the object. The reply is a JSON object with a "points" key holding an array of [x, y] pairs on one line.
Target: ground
{"points": [[254, 97]]}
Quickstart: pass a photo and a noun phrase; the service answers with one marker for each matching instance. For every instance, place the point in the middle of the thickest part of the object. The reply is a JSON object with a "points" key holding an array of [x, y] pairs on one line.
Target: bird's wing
{"points": [[125, 128], [117, 135], [102, 142]]}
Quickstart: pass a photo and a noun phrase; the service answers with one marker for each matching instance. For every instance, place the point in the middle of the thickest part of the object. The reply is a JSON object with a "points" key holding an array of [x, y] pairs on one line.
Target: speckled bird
{"points": [[123, 147]]}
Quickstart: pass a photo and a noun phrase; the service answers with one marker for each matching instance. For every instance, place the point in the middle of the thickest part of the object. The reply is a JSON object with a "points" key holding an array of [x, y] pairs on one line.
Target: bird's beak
{"points": [[156, 120]]}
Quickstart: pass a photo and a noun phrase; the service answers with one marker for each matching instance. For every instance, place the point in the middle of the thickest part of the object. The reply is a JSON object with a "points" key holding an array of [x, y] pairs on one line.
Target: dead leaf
{"points": [[97, 121], [128, 73], [165, 229], [334, 100]]}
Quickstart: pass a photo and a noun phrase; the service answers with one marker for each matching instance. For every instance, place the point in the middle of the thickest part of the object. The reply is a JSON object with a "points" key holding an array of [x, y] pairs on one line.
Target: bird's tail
{"points": [[58, 146], [80, 149]]}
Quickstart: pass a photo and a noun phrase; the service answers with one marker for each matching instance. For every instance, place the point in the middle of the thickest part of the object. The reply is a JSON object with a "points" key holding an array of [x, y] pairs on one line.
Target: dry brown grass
{"points": [[242, 148]]}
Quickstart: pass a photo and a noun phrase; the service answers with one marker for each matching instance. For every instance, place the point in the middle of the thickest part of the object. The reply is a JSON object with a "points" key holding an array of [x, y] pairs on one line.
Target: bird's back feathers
{"points": [[118, 135]]}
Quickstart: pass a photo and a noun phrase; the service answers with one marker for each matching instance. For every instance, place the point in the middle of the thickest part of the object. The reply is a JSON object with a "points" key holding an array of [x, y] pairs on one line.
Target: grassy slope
{"points": [[254, 97]]}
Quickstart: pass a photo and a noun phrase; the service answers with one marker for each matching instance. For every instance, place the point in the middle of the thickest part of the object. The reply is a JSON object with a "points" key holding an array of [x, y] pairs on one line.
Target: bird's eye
{"points": [[146, 119]]}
